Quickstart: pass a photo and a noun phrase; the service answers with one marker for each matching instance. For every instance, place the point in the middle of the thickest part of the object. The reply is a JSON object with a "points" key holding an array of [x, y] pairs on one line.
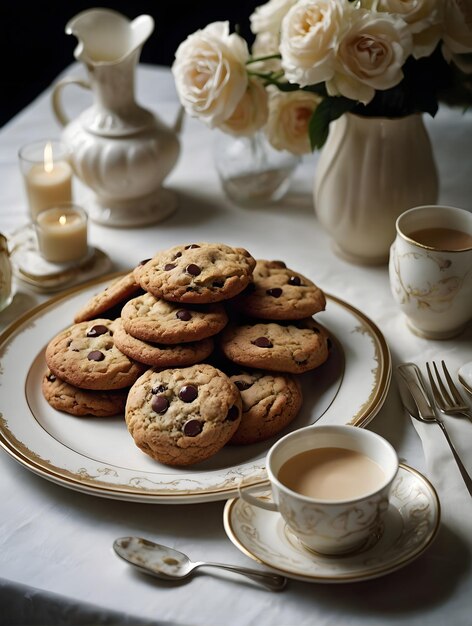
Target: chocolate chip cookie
{"points": [[197, 273], [85, 355], [292, 347], [270, 402], [183, 416], [279, 293], [118, 292], [82, 402], [154, 319], [161, 355]]}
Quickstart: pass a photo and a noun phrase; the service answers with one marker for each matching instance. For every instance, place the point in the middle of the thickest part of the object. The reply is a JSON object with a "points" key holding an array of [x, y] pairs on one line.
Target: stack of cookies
{"points": [[276, 331], [272, 338], [221, 338]]}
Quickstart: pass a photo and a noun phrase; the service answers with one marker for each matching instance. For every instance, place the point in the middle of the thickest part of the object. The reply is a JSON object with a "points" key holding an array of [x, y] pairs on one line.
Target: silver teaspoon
{"points": [[169, 564]]}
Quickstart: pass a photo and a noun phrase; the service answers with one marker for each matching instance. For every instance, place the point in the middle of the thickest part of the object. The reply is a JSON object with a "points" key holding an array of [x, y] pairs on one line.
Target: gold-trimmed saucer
{"points": [[410, 525]]}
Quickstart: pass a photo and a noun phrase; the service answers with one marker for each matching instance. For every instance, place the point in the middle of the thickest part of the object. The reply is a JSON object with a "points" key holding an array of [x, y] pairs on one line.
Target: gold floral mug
{"points": [[330, 484], [430, 270]]}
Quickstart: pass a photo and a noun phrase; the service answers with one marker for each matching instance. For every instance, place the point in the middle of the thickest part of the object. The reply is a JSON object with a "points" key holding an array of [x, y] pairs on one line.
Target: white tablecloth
{"points": [[57, 565]]}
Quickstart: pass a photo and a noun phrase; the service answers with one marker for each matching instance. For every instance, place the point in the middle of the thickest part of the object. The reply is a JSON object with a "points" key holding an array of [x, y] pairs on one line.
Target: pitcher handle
{"points": [[245, 494], [56, 97]]}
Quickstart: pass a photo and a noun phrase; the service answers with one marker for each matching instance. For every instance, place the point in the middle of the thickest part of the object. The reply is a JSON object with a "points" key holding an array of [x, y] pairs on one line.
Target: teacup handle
{"points": [[245, 494], [56, 97]]}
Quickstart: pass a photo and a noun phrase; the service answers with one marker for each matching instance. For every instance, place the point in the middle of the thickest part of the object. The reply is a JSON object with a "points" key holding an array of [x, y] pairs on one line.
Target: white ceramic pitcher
{"points": [[120, 150]]}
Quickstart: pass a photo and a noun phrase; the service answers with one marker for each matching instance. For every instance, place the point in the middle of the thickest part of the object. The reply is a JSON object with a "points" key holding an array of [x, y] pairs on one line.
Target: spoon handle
{"points": [[467, 479], [273, 582]]}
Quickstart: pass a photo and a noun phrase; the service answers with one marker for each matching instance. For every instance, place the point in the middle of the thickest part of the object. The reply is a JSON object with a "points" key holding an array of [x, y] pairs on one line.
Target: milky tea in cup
{"points": [[430, 270], [331, 485]]}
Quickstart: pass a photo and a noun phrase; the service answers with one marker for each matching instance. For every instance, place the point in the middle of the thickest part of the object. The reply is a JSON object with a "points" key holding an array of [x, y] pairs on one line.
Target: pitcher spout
{"points": [[106, 36]]}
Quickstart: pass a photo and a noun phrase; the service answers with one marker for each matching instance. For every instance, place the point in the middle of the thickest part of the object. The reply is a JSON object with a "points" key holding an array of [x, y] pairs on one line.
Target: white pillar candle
{"points": [[47, 175], [62, 233]]}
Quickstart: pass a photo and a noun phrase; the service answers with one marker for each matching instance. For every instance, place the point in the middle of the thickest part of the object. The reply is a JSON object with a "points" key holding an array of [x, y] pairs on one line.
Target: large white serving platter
{"points": [[98, 455]]}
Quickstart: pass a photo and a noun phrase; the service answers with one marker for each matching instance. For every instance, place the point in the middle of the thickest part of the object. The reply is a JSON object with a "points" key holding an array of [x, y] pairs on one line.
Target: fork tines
{"points": [[445, 400]]}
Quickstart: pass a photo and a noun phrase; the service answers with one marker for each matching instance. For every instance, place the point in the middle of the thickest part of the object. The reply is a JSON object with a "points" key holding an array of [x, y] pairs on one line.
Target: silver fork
{"points": [[449, 401]]}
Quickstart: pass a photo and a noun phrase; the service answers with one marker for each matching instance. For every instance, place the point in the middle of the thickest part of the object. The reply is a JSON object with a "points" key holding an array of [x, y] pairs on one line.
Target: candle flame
{"points": [[63, 220], [48, 160]]}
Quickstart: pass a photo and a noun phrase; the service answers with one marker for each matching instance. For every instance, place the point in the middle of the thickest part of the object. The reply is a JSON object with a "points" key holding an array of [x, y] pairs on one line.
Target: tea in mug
{"points": [[442, 238]]}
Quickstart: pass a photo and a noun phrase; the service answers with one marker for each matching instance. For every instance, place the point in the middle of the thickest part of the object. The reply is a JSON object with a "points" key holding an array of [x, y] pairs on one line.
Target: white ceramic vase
{"points": [[371, 170], [120, 150]]}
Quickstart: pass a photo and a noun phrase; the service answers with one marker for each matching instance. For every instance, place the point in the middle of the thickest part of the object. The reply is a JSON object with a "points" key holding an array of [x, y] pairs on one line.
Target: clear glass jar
{"points": [[251, 171], [6, 294]]}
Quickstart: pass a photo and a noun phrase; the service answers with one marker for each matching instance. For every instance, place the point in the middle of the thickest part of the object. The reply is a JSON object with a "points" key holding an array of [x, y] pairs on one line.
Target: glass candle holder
{"points": [[62, 233], [47, 174]]}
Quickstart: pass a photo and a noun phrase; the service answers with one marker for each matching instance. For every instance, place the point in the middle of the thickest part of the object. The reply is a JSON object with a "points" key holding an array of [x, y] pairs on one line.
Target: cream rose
{"points": [[423, 17], [289, 116], [309, 38], [210, 73], [268, 17], [250, 113], [370, 56]]}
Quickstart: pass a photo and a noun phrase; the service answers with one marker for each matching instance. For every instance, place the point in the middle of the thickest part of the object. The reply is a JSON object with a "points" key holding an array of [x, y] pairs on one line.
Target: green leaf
{"points": [[326, 112]]}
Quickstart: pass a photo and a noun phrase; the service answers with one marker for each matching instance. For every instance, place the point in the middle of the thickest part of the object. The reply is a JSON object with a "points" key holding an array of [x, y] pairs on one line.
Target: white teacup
{"points": [[431, 270], [350, 472]]}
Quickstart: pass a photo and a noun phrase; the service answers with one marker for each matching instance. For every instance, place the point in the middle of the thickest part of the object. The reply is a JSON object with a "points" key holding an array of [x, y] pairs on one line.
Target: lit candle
{"points": [[47, 175], [62, 233]]}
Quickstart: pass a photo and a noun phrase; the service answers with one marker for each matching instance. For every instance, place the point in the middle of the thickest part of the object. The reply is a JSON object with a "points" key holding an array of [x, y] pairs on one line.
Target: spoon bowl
{"points": [[170, 564]]}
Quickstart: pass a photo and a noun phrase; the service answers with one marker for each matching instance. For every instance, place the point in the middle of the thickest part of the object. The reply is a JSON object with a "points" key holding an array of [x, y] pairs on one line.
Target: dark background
{"points": [[34, 48]]}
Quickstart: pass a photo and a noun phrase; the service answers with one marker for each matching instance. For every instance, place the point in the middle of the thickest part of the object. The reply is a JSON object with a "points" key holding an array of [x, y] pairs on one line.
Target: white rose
{"points": [[268, 17], [289, 115], [423, 17], [370, 56], [210, 73], [309, 38], [457, 35], [251, 111]]}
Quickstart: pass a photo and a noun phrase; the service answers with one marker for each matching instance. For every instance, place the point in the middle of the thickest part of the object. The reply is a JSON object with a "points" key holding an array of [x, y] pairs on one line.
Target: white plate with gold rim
{"points": [[410, 525], [99, 457]]}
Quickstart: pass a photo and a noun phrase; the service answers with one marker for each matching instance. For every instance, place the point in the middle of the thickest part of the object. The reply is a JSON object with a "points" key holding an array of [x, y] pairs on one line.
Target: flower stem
{"points": [[257, 151], [266, 58]]}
